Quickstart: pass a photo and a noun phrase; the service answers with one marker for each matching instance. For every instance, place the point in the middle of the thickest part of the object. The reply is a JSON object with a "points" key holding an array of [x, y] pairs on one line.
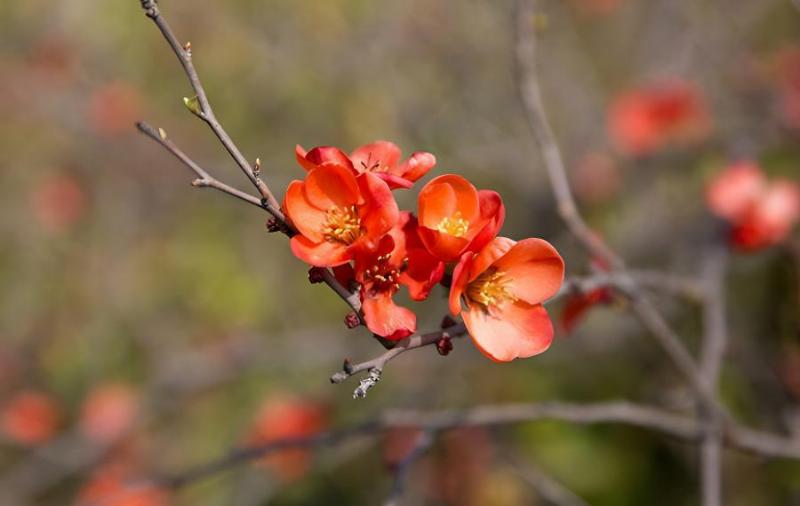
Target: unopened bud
{"points": [[351, 320], [316, 275], [273, 225], [193, 104], [444, 345]]}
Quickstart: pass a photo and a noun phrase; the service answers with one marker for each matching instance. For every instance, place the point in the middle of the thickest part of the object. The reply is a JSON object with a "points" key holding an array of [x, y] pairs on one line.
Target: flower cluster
{"points": [[347, 219], [761, 212], [647, 119]]}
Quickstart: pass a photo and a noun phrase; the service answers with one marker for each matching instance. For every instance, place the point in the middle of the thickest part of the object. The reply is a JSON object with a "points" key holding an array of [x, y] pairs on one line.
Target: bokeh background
{"points": [[146, 326]]}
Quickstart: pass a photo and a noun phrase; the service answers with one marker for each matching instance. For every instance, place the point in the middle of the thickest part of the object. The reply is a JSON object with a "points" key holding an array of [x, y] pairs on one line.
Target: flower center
{"points": [[383, 275], [342, 225], [491, 288], [454, 225]]}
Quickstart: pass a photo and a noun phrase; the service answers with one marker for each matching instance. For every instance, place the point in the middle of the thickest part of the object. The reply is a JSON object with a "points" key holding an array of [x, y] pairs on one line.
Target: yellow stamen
{"points": [[342, 225], [491, 288], [454, 225]]}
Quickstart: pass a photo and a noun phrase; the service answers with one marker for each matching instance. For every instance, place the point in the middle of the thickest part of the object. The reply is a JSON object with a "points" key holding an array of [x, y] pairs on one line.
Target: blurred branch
{"points": [[550, 489], [679, 426], [424, 441], [646, 312], [376, 365], [663, 282], [715, 337], [203, 109]]}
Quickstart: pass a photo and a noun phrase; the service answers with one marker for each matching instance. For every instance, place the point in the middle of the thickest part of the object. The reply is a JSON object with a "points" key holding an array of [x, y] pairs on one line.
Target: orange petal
{"points": [[320, 254], [300, 156], [519, 330], [308, 220], [395, 182], [387, 319], [459, 281], [489, 255], [331, 185], [466, 200], [435, 203], [379, 156], [536, 268], [492, 216], [379, 212], [417, 165], [328, 154], [423, 272], [443, 246]]}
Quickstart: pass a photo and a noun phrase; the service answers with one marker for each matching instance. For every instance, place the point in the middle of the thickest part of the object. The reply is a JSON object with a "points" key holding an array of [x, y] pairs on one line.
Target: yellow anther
{"points": [[454, 225], [491, 288], [342, 225]]}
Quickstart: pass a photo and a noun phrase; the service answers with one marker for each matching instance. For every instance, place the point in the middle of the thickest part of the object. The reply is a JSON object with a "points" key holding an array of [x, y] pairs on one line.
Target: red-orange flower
{"points": [[30, 418], [761, 212], [287, 418], [400, 259], [337, 213], [423, 270], [113, 485], [109, 411], [645, 120], [503, 288], [380, 157], [378, 272], [455, 218], [58, 203]]}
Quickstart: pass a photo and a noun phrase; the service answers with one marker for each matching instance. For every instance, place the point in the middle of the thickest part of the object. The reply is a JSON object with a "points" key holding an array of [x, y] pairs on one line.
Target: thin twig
{"points": [[424, 441], [409, 343], [204, 179], [204, 111]]}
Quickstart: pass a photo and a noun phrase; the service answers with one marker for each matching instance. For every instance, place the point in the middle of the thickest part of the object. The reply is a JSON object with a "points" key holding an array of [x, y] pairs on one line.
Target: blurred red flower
{"points": [[109, 411], [761, 212], [503, 288], [454, 217], [30, 417], [596, 177], [337, 213], [283, 417], [787, 69], [381, 158], [646, 119], [58, 203], [115, 485], [114, 108]]}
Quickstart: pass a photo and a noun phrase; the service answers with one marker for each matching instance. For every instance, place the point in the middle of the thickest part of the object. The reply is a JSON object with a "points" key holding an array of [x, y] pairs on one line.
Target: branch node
{"points": [[150, 8], [365, 384], [444, 345], [351, 320]]}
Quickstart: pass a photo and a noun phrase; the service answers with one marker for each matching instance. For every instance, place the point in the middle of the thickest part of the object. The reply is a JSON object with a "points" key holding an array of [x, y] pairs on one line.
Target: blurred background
{"points": [[146, 326]]}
